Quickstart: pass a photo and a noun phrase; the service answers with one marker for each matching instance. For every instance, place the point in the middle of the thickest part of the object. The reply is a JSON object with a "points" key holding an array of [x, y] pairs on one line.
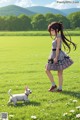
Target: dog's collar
{"points": [[26, 94]]}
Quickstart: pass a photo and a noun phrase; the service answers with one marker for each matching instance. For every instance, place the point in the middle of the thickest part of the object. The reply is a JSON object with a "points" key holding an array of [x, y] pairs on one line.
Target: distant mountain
{"points": [[69, 11], [44, 10], [14, 10]]}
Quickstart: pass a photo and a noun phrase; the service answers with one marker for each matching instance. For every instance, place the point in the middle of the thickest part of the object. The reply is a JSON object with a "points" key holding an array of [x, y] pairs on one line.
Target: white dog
{"points": [[19, 97]]}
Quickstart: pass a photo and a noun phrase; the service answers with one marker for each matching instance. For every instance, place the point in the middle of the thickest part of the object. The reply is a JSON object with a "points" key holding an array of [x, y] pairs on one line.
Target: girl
{"points": [[58, 60]]}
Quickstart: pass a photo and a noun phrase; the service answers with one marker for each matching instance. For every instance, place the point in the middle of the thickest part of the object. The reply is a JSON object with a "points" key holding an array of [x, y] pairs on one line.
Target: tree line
{"points": [[38, 21]]}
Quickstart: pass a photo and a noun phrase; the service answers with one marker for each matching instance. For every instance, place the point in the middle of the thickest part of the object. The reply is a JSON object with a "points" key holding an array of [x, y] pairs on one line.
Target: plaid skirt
{"points": [[64, 61]]}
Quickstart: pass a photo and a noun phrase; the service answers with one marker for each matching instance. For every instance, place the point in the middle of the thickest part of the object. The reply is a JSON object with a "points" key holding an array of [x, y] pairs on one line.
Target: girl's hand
{"points": [[55, 60]]}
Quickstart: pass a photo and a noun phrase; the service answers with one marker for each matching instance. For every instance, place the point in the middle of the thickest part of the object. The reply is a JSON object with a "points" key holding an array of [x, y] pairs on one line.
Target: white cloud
{"points": [[7, 2], [57, 4], [64, 4], [22, 3]]}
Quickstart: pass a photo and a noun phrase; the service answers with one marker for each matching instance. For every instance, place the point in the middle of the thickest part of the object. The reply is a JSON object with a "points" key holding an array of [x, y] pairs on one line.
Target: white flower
{"points": [[78, 116], [78, 107], [33, 117], [72, 111], [74, 101], [65, 114]]}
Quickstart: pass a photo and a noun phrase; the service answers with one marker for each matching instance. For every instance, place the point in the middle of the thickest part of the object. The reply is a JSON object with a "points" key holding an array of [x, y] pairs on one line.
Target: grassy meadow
{"points": [[36, 33], [22, 63]]}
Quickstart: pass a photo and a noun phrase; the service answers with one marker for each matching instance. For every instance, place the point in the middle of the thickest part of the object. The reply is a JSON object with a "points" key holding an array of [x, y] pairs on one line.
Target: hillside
{"points": [[69, 11], [14, 10], [44, 10]]}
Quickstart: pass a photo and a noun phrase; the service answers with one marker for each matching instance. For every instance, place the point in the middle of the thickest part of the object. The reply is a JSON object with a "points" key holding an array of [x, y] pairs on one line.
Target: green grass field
{"points": [[22, 63], [36, 33]]}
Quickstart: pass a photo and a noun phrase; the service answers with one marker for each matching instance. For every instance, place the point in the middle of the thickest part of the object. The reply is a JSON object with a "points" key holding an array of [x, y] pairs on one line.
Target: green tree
{"points": [[74, 19], [25, 22], [50, 18], [38, 22], [12, 23], [2, 23], [64, 20]]}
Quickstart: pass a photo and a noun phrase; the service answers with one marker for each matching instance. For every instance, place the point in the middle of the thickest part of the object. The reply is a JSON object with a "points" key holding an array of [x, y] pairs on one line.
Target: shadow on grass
{"points": [[31, 103], [72, 93]]}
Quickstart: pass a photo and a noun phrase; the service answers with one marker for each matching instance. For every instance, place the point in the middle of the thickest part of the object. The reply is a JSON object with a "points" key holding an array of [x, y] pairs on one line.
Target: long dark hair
{"points": [[58, 27]]}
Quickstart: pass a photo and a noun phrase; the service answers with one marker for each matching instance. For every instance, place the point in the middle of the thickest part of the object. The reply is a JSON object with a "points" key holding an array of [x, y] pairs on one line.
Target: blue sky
{"points": [[57, 4], [42, 2]]}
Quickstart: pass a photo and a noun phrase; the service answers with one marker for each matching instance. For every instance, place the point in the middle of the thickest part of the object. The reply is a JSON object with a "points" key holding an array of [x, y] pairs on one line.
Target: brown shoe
{"points": [[53, 88], [59, 90]]}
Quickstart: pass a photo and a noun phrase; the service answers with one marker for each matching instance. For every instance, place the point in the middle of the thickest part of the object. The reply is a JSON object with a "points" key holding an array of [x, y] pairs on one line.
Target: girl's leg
{"points": [[50, 76], [60, 77]]}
